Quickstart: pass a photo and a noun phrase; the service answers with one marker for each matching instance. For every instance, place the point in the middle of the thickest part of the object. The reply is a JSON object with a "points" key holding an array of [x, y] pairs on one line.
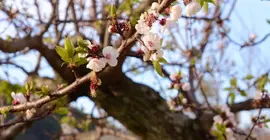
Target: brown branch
{"points": [[53, 96], [22, 120], [250, 104]]}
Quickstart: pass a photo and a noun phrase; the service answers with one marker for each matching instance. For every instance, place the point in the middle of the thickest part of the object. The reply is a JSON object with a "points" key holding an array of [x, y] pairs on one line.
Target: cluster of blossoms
{"points": [[97, 58], [19, 98], [177, 84], [151, 42], [225, 119]]}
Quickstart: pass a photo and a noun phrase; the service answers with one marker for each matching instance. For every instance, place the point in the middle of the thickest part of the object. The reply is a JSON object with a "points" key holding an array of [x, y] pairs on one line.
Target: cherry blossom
{"points": [[154, 6], [96, 64], [192, 8], [175, 12], [142, 27], [18, 97], [110, 54], [151, 41], [186, 86], [153, 9], [30, 113]]}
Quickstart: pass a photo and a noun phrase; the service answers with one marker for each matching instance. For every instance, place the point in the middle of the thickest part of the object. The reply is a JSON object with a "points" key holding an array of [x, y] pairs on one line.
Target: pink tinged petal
{"points": [[112, 62]]}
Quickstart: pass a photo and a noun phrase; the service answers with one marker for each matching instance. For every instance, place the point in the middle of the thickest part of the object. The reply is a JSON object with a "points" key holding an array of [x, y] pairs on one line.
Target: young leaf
{"points": [[233, 82], [249, 77], [157, 67], [69, 47], [232, 98], [205, 6], [62, 53], [82, 43], [62, 110], [162, 60], [112, 11]]}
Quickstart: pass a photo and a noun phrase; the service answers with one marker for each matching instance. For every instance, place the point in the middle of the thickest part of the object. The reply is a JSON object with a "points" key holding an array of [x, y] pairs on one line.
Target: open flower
{"points": [[18, 97], [175, 12], [96, 64], [110, 55], [141, 27], [151, 41], [193, 8]]}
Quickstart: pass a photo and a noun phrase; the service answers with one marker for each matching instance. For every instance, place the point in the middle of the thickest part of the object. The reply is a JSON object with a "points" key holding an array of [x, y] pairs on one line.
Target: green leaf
{"points": [[62, 53], [193, 61], [82, 43], [79, 61], [205, 7], [243, 93], [80, 50], [69, 47], [249, 77], [162, 60], [157, 67], [112, 11], [62, 110], [228, 89], [201, 2], [233, 82], [45, 89], [232, 98]]}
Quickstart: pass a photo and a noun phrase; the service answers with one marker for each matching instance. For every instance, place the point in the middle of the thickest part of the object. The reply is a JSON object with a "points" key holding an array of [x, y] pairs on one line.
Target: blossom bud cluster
{"points": [[225, 118], [177, 84]]}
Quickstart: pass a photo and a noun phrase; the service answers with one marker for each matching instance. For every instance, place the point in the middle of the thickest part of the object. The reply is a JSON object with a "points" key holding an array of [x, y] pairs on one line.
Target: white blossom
{"points": [[18, 97], [186, 86], [156, 56], [30, 113], [151, 41], [154, 6], [96, 64], [192, 8], [175, 12], [110, 54], [141, 27]]}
